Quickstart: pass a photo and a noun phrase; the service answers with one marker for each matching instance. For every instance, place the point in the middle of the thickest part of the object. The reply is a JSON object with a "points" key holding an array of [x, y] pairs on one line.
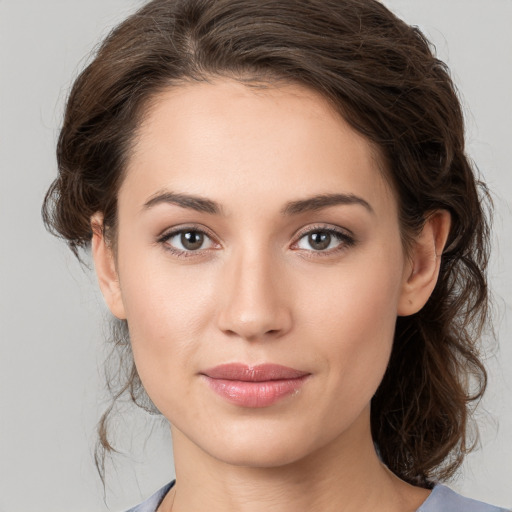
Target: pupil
{"points": [[192, 240], [319, 240]]}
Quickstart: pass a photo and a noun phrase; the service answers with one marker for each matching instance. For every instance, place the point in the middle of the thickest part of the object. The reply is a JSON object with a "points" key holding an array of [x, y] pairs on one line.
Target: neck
{"points": [[344, 474]]}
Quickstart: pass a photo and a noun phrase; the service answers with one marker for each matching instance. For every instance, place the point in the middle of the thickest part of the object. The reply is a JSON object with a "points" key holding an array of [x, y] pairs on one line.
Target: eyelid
{"points": [[323, 227], [345, 236], [168, 233]]}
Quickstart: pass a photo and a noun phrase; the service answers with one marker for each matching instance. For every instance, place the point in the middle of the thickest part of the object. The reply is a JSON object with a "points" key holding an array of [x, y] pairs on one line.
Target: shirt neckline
{"points": [[165, 490]]}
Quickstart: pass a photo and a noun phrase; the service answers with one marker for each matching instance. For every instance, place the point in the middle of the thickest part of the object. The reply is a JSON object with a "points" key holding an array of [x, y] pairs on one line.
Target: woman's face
{"points": [[255, 227]]}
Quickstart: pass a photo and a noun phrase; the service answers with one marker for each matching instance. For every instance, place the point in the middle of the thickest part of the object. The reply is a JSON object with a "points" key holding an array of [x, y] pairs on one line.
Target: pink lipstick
{"points": [[256, 386]]}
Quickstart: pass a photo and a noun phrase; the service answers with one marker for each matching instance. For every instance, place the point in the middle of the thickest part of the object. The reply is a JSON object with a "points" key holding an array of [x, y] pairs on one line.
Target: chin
{"points": [[259, 447]]}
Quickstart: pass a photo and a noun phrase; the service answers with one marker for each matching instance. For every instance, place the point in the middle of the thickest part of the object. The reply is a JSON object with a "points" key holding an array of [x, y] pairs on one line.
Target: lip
{"points": [[254, 386]]}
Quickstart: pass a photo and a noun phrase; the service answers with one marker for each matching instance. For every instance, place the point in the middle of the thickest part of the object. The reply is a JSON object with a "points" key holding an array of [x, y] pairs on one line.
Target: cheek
{"points": [[353, 320], [166, 312]]}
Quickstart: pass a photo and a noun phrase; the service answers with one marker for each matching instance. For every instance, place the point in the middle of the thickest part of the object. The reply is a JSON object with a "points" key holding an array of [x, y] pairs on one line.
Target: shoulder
{"points": [[443, 499], [152, 503]]}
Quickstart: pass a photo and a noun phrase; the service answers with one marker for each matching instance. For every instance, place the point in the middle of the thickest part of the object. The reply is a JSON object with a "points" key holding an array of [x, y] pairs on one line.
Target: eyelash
{"points": [[346, 241], [177, 252]]}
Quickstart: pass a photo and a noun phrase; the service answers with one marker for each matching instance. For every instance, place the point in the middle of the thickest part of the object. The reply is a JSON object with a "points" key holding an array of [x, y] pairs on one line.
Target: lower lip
{"points": [[255, 394]]}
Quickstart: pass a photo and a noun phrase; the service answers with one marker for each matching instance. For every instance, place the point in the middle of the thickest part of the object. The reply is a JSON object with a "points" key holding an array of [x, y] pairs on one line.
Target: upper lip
{"points": [[258, 373]]}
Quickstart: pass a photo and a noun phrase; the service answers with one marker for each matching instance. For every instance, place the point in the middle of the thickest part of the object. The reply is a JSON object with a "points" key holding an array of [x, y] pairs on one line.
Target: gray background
{"points": [[52, 317]]}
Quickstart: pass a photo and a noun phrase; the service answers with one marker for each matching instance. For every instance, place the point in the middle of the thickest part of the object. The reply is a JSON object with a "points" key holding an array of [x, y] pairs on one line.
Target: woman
{"points": [[282, 216]]}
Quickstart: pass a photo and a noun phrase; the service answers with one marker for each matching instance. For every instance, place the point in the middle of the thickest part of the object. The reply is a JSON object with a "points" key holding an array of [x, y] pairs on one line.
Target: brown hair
{"points": [[384, 79]]}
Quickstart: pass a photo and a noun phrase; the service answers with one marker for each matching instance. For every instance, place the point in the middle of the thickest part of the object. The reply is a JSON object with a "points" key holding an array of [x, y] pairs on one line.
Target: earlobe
{"points": [[106, 271], [421, 274]]}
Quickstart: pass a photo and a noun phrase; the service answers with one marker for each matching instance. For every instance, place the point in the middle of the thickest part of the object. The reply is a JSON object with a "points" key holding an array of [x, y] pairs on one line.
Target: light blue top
{"points": [[441, 499]]}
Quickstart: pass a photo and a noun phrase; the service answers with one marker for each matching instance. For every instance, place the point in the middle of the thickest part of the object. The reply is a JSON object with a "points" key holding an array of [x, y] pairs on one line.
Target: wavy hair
{"points": [[383, 77]]}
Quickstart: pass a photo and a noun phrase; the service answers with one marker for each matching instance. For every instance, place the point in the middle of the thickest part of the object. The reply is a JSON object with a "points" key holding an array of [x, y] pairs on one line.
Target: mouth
{"points": [[254, 386]]}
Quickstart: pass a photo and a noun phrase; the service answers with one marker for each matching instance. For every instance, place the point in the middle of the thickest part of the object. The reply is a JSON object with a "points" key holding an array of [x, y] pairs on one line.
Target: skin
{"points": [[257, 291]]}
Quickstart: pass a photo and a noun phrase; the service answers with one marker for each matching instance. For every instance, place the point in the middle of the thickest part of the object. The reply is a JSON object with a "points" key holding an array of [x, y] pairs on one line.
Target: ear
{"points": [[422, 271], [104, 263]]}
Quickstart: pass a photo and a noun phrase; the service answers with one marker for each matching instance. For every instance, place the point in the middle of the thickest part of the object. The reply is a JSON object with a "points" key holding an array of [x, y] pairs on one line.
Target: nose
{"points": [[253, 303]]}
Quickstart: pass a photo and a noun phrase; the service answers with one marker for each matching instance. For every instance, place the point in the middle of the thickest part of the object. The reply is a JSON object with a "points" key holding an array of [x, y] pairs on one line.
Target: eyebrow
{"points": [[197, 203], [321, 201], [309, 204]]}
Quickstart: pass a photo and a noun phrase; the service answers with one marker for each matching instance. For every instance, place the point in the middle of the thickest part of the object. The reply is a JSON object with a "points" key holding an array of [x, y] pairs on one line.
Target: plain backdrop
{"points": [[52, 317]]}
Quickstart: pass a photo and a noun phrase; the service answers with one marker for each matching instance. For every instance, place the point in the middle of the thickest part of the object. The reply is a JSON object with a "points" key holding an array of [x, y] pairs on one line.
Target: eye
{"points": [[186, 240], [324, 240]]}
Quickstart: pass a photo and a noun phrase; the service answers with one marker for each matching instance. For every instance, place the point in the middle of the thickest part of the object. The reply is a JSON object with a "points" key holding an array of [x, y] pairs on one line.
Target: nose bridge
{"points": [[253, 304]]}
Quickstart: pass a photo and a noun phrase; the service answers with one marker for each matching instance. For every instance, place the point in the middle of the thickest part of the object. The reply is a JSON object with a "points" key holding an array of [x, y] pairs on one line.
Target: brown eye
{"points": [[319, 240], [187, 240], [324, 241], [192, 240]]}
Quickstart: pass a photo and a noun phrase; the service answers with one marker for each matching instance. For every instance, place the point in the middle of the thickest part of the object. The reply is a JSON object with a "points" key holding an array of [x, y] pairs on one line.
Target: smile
{"points": [[258, 386]]}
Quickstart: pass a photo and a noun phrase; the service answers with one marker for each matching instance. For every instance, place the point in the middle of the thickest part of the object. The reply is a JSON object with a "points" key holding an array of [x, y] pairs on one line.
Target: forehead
{"points": [[228, 140]]}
